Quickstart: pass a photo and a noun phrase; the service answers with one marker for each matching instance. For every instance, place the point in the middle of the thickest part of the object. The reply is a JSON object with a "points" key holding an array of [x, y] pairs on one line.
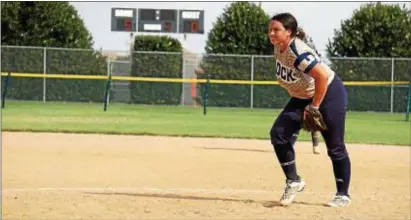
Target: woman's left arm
{"points": [[321, 84]]}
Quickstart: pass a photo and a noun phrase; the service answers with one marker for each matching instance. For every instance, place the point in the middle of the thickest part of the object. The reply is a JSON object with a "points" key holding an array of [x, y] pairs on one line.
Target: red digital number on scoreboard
{"points": [[194, 26], [127, 24], [167, 27]]}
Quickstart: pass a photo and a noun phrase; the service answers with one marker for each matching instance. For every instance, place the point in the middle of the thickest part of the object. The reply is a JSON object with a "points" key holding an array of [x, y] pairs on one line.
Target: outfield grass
{"points": [[361, 127]]}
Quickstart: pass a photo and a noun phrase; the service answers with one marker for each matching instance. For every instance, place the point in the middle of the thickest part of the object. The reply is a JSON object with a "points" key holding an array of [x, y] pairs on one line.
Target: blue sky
{"points": [[318, 19]]}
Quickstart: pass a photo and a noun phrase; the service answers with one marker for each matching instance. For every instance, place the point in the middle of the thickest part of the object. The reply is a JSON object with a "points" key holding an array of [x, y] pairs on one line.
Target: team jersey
{"points": [[293, 66]]}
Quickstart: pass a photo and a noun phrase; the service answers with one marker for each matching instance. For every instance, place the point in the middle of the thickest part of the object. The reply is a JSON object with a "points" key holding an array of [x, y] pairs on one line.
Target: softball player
{"points": [[313, 87]]}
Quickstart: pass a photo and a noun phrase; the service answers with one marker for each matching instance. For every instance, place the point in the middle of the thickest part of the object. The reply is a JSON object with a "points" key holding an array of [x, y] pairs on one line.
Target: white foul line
{"points": [[158, 190]]}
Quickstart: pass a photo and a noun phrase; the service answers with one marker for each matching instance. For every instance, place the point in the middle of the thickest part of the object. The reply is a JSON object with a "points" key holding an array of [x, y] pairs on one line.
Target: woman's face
{"points": [[277, 33]]}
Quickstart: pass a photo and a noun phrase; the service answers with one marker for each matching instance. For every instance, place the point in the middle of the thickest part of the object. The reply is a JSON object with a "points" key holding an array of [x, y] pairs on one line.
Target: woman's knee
{"points": [[337, 152], [285, 128], [277, 135], [273, 134]]}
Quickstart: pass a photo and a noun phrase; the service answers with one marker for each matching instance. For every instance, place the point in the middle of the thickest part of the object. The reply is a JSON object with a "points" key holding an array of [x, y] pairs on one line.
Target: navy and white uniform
{"points": [[293, 66]]}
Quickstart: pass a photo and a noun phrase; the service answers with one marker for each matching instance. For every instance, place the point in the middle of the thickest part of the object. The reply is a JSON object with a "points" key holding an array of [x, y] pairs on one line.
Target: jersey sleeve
{"points": [[305, 62]]}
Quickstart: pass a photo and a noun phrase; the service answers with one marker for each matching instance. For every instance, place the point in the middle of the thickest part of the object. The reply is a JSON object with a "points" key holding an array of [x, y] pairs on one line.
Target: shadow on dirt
{"points": [[267, 204], [235, 149]]}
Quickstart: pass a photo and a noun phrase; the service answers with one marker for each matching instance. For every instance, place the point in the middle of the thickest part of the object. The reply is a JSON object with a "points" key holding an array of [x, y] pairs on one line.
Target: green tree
{"points": [[49, 24], [43, 24], [241, 29], [375, 30]]}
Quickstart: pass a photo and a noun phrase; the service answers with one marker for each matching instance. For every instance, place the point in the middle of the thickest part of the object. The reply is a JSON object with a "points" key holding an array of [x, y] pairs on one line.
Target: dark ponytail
{"points": [[301, 34]]}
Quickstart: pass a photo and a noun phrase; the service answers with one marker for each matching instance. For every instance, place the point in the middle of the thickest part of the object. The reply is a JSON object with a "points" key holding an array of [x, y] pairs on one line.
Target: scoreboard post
{"points": [[124, 20]]}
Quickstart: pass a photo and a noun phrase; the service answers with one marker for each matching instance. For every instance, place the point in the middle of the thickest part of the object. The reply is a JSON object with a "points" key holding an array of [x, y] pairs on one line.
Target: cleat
{"points": [[290, 191], [340, 201]]}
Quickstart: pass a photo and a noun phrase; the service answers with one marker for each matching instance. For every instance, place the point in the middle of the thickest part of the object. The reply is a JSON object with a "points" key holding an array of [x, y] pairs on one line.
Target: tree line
{"points": [[374, 30]]}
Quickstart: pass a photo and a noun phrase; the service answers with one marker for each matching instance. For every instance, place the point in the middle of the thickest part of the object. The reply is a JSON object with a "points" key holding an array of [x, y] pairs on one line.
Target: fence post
{"points": [[252, 85], [183, 75], [392, 86], [107, 94], [205, 99], [407, 113], [6, 85], [44, 73], [109, 73], [108, 65]]}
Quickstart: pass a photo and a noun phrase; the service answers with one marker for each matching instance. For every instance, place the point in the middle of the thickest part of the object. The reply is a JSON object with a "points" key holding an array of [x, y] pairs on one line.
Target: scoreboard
{"points": [[191, 21], [157, 20], [123, 19]]}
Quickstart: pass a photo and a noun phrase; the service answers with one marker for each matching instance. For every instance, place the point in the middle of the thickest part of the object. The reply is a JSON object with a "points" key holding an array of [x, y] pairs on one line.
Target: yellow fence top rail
{"points": [[179, 80]]}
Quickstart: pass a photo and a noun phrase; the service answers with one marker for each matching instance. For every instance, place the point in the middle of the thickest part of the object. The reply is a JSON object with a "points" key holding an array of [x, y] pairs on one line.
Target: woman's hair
{"points": [[301, 34], [289, 22]]}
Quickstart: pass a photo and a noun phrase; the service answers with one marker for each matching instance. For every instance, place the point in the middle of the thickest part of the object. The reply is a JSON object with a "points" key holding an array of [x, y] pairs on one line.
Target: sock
{"points": [[288, 165], [290, 171], [342, 174]]}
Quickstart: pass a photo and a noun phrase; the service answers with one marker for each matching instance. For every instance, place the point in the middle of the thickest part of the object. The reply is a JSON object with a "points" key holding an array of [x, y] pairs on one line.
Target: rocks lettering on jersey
{"points": [[286, 74]]}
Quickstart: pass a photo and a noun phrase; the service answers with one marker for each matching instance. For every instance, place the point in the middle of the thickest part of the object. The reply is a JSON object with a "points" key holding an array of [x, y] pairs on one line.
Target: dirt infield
{"points": [[78, 176]]}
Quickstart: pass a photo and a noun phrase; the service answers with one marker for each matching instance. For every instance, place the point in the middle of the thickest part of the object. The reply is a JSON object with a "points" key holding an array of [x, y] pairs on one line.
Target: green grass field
{"points": [[361, 127]]}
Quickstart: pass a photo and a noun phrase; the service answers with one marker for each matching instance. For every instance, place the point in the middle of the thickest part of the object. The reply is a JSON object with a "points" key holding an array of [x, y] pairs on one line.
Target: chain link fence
{"points": [[387, 98]]}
